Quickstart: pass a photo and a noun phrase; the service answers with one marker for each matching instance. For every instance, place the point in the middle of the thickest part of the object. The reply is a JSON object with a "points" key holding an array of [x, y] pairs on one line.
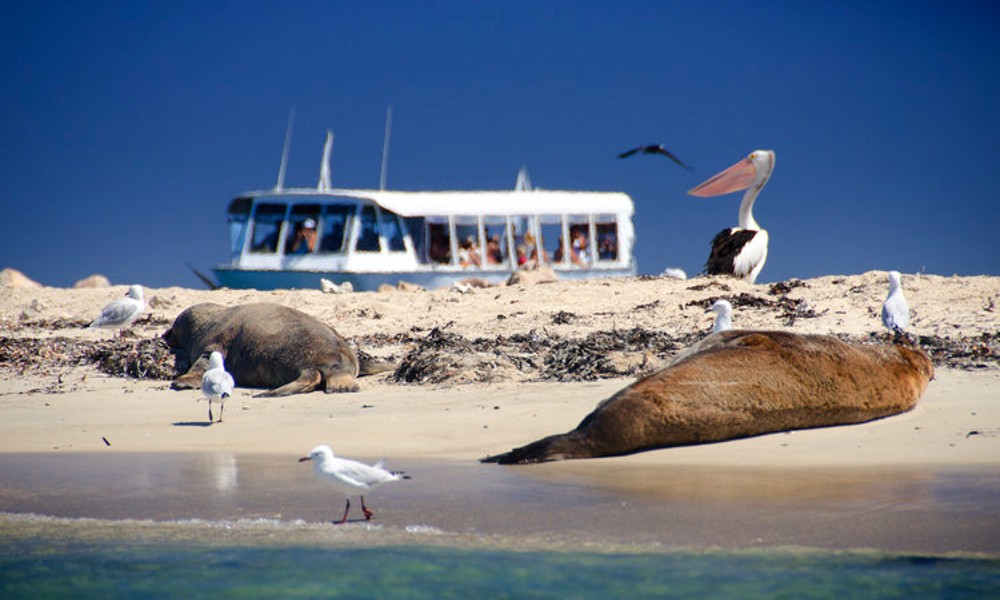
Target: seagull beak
{"points": [[305, 458], [735, 178]]}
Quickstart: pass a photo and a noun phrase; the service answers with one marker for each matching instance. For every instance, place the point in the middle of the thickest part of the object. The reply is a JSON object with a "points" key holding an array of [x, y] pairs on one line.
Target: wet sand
{"points": [[570, 505]]}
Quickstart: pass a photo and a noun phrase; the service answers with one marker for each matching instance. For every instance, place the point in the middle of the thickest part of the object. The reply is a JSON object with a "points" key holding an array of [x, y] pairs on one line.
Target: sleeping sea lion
{"points": [[736, 384], [265, 346]]}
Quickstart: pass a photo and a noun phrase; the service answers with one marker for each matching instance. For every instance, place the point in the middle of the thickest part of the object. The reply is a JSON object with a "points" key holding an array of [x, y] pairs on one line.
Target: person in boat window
{"points": [[494, 256], [305, 238], [578, 248], [531, 250], [522, 256], [608, 247], [468, 254]]}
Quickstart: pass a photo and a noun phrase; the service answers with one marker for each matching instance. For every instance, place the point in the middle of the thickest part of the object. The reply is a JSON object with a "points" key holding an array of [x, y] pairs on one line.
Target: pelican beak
{"points": [[304, 459], [737, 177]]}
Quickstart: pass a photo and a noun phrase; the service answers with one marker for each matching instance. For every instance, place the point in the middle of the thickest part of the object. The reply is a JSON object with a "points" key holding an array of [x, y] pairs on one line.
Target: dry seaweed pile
{"points": [[442, 356], [139, 359]]}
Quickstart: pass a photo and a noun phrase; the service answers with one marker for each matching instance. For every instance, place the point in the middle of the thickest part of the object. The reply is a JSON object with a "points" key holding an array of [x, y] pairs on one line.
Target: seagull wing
{"points": [[117, 313], [629, 153]]}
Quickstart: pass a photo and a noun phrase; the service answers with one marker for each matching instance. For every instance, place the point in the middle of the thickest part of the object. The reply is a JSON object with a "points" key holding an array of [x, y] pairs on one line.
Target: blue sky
{"points": [[126, 127]]}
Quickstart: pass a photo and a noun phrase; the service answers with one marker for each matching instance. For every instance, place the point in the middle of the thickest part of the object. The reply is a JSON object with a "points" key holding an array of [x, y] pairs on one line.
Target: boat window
{"points": [[439, 242], [303, 229], [392, 231], [334, 224], [238, 216], [551, 242], [497, 246], [267, 220], [368, 231], [417, 228], [607, 237], [580, 253], [467, 235]]}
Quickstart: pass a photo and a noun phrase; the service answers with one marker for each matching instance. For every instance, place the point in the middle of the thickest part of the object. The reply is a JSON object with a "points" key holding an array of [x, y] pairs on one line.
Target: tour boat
{"points": [[293, 238]]}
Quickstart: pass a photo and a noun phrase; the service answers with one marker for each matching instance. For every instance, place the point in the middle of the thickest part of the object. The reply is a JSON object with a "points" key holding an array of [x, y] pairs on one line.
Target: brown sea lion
{"points": [[737, 384], [265, 346]]}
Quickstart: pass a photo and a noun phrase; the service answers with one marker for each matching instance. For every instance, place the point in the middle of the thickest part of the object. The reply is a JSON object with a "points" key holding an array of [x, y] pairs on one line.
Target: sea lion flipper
{"points": [[308, 381], [192, 378]]}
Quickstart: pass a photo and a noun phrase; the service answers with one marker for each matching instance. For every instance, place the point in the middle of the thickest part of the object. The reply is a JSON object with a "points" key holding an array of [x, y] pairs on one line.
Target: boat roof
{"points": [[485, 202]]}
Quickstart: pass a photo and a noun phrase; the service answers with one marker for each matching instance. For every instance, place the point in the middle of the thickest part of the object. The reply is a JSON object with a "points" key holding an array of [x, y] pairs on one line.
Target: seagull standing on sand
{"points": [[654, 149], [895, 312], [217, 384], [350, 476], [723, 315], [122, 312]]}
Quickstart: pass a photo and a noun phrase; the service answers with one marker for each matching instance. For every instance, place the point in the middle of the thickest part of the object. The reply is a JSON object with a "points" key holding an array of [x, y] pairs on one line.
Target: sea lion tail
{"points": [[555, 447]]}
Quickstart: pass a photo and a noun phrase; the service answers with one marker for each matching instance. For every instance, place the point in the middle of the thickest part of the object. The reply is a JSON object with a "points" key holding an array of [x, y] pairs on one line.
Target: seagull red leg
{"points": [[368, 514], [346, 509]]}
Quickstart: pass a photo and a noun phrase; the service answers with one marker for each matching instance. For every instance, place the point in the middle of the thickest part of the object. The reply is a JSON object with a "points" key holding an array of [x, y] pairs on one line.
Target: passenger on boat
{"points": [[522, 255], [578, 248], [305, 238], [607, 249], [468, 254], [531, 250], [494, 256]]}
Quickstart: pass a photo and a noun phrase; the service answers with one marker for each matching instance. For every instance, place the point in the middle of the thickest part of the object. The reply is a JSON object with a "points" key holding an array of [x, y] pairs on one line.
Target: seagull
{"points": [[740, 251], [654, 149], [895, 312], [723, 315], [122, 312], [217, 384], [350, 476]]}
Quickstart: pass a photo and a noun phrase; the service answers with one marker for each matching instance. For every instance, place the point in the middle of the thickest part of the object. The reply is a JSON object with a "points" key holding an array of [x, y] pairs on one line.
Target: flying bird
{"points": [[740, 251], [349, 476], [217, 384], [723, 315], [654, 149], [895, 312], [122, 312]]}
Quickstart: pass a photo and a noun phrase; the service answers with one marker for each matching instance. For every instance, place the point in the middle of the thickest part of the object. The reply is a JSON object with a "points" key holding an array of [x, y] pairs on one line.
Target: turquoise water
{"points": [[52, 568]]}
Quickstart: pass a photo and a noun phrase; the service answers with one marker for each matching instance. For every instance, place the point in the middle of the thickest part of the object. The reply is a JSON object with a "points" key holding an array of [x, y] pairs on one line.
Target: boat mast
{"points": [[324, 167], [385, 148], [280, 185]]}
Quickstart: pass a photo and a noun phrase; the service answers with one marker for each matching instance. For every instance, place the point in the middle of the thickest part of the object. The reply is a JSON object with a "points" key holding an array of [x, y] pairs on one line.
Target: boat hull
{"points": [[262, 279]]}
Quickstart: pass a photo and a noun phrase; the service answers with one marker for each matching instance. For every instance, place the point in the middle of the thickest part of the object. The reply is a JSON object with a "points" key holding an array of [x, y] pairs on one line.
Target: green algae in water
{"points": [[54, 569]]}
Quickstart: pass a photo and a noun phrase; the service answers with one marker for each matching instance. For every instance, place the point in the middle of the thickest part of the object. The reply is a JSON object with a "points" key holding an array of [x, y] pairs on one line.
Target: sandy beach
{"points": [[477, 386]]}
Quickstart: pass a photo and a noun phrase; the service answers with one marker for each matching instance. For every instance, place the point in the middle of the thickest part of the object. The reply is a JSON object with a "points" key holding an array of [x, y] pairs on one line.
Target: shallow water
{"points": [[40, 567]]}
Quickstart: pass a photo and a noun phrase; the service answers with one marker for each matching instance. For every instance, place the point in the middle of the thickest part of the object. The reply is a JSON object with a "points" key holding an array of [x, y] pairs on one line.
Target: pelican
{"points": [[740, 251], [723, 315], [895, 312]]}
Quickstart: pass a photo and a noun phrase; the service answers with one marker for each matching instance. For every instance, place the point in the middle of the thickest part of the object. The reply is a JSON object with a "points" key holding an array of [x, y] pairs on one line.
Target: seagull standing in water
{"points": [[217, 384], [895, 312], [723, 315], [122, 312], [349, 476], [654, 149]]}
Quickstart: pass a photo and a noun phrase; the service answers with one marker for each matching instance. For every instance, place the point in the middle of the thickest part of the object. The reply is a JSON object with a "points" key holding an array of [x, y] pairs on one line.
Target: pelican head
{"points": [[751, 172]]}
